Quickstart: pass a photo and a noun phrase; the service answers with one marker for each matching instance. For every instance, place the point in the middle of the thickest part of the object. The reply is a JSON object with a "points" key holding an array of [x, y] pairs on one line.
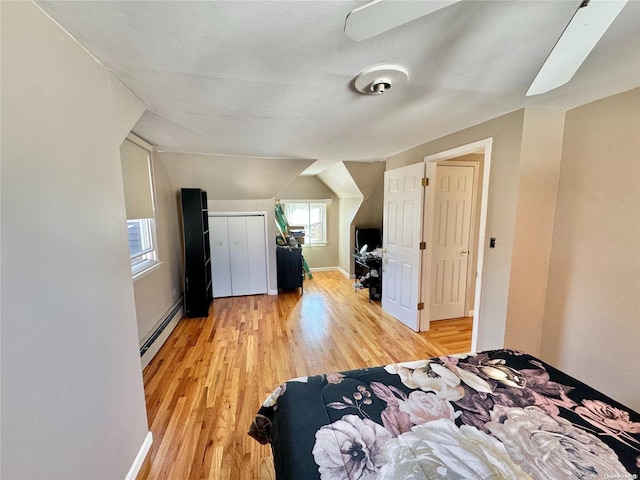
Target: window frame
{"points": [[309, 203], [147, 258]]}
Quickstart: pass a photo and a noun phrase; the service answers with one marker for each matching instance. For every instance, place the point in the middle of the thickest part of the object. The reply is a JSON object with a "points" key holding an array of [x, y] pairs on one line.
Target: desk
{"points": [[369, 273]]}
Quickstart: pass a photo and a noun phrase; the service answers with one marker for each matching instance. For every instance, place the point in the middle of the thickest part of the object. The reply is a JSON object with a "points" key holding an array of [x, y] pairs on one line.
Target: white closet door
{"points": [[239, 256], [257, 254], [220, 260]]}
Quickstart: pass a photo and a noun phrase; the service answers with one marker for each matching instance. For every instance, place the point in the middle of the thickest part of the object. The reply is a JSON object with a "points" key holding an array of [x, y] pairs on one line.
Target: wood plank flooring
{"points": [[206, 383]]}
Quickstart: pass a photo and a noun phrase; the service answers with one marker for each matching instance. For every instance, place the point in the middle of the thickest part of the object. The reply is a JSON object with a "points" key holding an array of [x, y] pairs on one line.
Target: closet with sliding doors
{"points": [[238, 254]]}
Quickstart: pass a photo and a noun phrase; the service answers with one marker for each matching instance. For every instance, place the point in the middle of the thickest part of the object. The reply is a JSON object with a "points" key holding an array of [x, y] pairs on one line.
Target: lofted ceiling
{"points": [[275, 78]]}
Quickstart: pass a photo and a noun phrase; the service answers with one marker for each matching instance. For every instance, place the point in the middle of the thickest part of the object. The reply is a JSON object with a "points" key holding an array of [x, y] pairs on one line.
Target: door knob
{"points": [[464, 252], [385, 251]]}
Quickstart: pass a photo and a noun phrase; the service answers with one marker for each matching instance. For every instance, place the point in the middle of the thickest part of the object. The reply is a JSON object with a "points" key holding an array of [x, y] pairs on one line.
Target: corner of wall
{"points": [[539, 169]]}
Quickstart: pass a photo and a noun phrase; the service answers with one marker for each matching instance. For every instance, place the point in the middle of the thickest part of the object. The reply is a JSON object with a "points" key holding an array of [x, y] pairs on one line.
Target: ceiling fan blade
{"points": [[586, 28], [381, 15]]}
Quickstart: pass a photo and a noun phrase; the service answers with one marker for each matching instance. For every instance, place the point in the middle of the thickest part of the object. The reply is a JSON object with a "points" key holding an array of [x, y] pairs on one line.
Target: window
{"points": [[141, 244], [312, 214], [137, 177]]}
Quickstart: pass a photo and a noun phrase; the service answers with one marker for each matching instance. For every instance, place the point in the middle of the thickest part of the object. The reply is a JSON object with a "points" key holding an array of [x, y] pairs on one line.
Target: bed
{"points": [[494, 414]]}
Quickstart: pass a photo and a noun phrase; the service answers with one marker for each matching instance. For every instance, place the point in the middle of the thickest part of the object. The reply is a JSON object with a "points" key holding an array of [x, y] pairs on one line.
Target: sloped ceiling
{"points": [[338, 179], [273, 78]]}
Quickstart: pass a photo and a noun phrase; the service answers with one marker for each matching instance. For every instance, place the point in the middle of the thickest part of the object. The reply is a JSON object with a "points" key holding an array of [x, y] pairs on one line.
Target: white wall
{"points": [[592, 318], [72, 394]]}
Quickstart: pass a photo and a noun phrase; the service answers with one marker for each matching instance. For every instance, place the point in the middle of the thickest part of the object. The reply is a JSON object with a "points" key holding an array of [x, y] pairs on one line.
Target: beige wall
{"points": [[232, 178], [307, 187], [592, 318], [506, 132], [369, 177], [537, 186], [348, 209], [370, 213], [72, 394]]}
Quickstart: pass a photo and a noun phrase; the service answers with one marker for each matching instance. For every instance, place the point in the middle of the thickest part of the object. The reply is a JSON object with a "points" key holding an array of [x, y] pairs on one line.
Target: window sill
{"points": [[144, 268], [312, 245]]}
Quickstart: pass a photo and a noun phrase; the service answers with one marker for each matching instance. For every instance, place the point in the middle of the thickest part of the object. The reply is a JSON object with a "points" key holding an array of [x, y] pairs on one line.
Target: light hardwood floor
{"points": [[211, 376]]}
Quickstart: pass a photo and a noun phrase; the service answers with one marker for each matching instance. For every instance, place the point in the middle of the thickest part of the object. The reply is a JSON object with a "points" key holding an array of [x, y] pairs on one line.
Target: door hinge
{"points": [[425, 182], [423, 245], [420, 305]]}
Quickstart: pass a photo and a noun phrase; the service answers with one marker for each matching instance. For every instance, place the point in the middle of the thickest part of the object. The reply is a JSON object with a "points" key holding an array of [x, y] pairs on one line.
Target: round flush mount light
{"points": [[379, 79]]}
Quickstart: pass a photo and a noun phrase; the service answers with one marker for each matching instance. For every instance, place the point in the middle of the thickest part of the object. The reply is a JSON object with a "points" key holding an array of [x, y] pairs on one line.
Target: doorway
{"points": [[473, 282], [452, 239]]}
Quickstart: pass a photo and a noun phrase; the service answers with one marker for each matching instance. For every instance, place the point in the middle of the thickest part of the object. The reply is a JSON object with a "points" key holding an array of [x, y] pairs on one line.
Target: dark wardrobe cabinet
{"points": [[197, 253]]}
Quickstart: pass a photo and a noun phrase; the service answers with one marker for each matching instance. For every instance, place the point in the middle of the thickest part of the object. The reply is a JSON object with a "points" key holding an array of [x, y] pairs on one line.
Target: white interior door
{"points": [[402, 224], [220, 261], [450, 241]]}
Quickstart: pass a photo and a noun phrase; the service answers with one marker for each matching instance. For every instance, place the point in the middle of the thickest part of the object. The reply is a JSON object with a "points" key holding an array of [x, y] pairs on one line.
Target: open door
{"points": [[482, 147], [401, 263]]}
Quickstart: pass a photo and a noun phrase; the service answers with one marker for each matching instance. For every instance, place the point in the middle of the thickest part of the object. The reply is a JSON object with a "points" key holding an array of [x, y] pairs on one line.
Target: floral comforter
{"points": [[491, 415]]}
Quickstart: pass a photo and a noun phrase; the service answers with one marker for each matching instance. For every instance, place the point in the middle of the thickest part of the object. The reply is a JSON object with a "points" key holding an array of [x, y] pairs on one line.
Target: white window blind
{"points": [[312, 215], [136, 176]]}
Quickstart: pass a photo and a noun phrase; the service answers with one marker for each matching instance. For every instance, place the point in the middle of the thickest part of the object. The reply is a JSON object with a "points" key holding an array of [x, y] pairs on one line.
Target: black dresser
{"points": [[290, 268]]}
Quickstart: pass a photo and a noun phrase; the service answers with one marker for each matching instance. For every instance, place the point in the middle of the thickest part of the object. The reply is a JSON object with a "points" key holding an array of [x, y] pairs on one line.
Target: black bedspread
{"points": [[495, 414]]}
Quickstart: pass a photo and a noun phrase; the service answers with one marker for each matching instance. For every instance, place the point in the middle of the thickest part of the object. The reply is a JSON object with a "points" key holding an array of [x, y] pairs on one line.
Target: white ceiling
{"points": [[273, 78]]}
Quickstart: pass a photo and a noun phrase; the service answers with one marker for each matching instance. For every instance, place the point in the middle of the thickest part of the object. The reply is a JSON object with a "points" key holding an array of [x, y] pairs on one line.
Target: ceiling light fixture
{"points": [[378, 79]]}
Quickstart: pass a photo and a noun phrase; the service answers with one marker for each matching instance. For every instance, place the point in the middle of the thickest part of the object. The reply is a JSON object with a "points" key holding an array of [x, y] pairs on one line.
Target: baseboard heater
{"points": [[146, 345]]}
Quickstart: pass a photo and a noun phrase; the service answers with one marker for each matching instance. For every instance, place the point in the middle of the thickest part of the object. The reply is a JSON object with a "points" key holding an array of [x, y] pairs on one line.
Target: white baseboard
{"points": [[323, 269], [345, 273], [470, 313], [158, 342], [142, 454], [273, 292]]}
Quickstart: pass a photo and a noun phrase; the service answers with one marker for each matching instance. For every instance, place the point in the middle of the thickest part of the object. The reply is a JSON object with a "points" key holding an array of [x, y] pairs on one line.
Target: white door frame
{"points": [[483, 147]]}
